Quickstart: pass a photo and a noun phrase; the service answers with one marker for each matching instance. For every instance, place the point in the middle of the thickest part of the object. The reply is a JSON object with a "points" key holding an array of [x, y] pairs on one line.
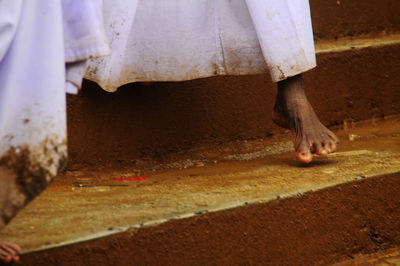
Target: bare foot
{"points": [[9, 252], [293, 111]]}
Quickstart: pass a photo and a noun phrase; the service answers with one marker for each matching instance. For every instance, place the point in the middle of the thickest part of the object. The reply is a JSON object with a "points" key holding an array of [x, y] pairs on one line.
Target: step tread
{"points": [[89, 203], [345, 44]]}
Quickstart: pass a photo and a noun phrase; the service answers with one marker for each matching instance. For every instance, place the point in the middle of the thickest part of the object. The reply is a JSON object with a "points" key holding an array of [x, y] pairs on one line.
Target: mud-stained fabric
{"points": [[84, 38], [39, 40], [156, 40]]}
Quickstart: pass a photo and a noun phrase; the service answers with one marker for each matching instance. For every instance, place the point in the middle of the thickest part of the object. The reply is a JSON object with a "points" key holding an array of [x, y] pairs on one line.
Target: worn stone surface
{"points": [[389, 257]]}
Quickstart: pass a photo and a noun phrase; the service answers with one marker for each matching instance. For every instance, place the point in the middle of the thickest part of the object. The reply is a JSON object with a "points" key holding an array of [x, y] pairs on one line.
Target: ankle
{"points": [[291, 90]]}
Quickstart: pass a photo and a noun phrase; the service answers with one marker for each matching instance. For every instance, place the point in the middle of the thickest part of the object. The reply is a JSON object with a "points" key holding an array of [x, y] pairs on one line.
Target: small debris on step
{"points": [[353, 137], [82, 184], [132, 178], [201, 212]]}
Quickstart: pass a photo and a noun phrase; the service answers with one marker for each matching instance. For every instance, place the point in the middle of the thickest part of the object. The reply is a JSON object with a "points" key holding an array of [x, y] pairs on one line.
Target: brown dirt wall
{"points": [[347, 18], [168, 117]]}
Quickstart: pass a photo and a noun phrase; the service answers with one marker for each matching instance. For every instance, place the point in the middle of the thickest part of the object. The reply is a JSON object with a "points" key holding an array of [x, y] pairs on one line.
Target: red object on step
{"points": [[136, 178], [267, 141]]}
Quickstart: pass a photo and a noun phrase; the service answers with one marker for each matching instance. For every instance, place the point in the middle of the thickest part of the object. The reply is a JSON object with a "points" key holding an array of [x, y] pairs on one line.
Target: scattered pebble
{"points": [[353, 137], [132, 178], [199, 164]]}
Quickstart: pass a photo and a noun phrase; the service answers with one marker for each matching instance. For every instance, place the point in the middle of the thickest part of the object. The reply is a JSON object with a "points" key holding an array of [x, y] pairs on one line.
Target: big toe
{"points": [[303, 153], [5, 258], [304, 157]]}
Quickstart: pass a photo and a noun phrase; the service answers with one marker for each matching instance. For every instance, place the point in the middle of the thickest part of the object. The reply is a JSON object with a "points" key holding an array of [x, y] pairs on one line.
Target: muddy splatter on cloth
{"points": [[40, 38], [177, 40]]}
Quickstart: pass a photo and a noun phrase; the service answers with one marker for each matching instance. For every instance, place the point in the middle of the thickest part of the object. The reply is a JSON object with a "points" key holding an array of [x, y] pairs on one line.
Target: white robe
{"points": [[152, 40], [174, 40], [37, 39]]}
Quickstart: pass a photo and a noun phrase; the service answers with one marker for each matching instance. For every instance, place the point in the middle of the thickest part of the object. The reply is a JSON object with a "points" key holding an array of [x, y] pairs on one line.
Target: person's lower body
{"points": [[32, 110], [195, 39], [42, 37]]}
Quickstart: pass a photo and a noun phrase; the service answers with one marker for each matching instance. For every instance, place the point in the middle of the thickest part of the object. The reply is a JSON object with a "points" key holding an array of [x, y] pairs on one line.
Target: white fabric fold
{"points": [[38, 38], [174, 40], [285, 34], [84, 35], [32, 78], [10, 12]]}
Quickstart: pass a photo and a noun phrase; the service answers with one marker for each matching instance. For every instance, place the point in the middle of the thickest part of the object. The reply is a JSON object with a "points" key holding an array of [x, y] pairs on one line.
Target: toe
{"points": [[332, 147], [333, 137], [327, 146], [15, 249], [320, 149], [324, 150], [303, 153], [9, 252], [5, 258], [304, 157]]}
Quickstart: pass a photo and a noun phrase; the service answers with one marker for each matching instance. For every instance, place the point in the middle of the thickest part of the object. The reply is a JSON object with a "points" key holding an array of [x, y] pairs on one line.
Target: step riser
{"points": [[343, 18], [138, 121]]}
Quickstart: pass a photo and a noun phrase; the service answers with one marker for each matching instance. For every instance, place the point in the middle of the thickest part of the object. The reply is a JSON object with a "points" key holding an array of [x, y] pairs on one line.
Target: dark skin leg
{"points": [[293, 111], [9, 252]]}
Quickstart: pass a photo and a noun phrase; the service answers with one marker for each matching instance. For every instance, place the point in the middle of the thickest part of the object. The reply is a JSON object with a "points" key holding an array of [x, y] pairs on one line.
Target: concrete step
{"points": [[383, 258], [356, 79], [254, 208], [334, 19]]}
